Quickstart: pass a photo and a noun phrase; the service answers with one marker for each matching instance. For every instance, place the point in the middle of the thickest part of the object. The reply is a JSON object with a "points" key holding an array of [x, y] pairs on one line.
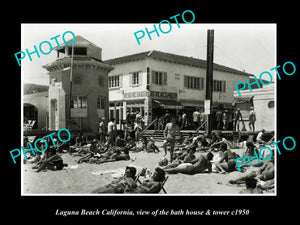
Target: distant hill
{"points": [[34, 88]]}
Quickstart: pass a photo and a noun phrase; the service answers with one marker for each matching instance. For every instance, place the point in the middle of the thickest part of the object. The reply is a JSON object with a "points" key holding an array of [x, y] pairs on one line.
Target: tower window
{"points": [[78, 51]]}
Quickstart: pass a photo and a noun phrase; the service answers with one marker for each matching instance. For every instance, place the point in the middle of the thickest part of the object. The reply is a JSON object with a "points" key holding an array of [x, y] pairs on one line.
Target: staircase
{"points": [[159, 137]]}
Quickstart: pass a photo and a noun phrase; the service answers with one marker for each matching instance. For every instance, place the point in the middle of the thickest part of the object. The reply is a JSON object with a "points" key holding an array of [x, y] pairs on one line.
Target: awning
{"points": [[168, 104]]}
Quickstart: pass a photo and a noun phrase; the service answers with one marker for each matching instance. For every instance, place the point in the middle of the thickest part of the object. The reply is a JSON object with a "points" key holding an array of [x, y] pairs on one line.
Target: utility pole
{"points": [[209, 77], [70, 94]]}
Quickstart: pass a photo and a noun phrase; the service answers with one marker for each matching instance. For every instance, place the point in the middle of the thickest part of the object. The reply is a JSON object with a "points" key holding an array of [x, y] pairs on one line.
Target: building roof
{"points": [[79, 42], [173, 58], [34, 88]]}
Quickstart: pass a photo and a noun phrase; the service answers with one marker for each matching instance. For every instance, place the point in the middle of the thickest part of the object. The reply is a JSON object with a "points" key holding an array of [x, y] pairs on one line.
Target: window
{"points": [[77, 51], [135, 78], [79, 102], [114, 81], [271, 104], [219, 85], [101, 102], [148, 75], [159, 78], [194, 82]]}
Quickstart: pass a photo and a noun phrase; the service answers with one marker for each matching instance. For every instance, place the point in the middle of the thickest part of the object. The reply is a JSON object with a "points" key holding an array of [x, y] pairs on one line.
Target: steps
{"points": [[159, 137]]}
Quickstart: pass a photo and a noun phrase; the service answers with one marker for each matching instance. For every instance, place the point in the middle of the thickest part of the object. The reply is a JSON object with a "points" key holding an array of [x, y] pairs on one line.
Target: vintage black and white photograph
{"points": [[143, 109]]}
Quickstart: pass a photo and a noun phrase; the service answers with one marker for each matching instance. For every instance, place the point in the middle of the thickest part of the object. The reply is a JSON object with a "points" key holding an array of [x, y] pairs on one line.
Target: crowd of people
{"points": [[109, 145], [222, 119]]}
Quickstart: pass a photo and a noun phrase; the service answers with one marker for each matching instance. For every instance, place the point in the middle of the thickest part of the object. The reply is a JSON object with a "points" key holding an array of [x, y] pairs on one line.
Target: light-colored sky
{"points": [[249, 47]]}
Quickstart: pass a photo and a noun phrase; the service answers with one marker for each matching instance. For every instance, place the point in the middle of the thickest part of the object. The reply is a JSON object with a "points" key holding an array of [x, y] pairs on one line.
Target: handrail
{"points": [[149, 125], [202, 124]]}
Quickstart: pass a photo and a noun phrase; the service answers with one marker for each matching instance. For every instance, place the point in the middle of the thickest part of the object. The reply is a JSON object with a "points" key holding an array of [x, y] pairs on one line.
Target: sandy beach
{"points": [[82, 178]]}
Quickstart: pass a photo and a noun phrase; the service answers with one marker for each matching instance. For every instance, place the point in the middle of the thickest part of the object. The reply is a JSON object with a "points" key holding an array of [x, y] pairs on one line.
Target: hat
{"points": [[163, 162]]}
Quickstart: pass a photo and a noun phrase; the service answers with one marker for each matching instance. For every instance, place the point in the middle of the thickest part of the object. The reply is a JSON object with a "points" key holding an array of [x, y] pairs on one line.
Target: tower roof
{"points": [[79, 42]]}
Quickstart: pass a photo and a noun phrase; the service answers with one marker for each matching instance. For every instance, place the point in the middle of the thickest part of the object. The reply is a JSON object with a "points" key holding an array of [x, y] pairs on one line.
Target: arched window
{"points": [[271, 104]]}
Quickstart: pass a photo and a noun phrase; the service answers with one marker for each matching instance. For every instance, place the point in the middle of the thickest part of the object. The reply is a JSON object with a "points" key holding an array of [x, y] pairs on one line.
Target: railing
{"points": [[149, 125], [202, 125]]}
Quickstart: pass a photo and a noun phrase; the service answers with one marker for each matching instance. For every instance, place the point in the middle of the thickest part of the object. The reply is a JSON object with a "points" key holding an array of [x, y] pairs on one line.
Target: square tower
{"points": [[78, 92]]}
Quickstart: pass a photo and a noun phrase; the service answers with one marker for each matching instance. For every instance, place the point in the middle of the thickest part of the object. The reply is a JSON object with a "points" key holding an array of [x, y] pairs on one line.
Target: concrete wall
{"points": [[125, 72], [265, 114], [175, 83], [89, 86], [40, 101], [57, 117]]}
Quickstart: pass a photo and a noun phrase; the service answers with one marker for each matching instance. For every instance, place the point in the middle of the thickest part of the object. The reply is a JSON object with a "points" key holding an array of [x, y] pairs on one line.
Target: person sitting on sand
{"points": [[54, 162], [187, 157], [251, 187], [264, 173], [198, 165], [151, 147], [259, 137], [200, 141], [221, 140], [251, 148], [188, 140], [227, 161], [252, 152], [130, 144], [152, 185], [123, 184], [119, 141], [117, 155], [33, 158], [90, 153], [50, 160]]}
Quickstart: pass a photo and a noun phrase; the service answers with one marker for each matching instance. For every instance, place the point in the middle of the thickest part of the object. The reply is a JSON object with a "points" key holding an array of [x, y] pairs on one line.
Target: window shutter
{"points": [[224, 86], [130, 77], [185, 81], [165, 78], [153, 77], [120, 80], [140, 77], [214, 85]]}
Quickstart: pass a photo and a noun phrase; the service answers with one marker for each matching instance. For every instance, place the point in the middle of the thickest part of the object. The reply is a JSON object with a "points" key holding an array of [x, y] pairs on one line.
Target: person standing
{"points": [[236, 119], [166, 118], [183, 120], [196, 119], [170, 132], [252, 119], [102, 130], [225, 119], [110, 131], [219, 116]]}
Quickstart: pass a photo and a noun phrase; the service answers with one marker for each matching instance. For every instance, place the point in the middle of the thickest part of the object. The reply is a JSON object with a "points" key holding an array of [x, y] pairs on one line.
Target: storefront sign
{"points": [[206, 106], [151, 93], [136, 94], [163, 94], [79, 112]]}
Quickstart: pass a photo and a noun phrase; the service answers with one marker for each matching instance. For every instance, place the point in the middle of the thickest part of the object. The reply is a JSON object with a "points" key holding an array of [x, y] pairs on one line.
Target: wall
{"points": [[177, 85], [265, 115], [56, 92], [89, 87], [125, 70], [40, 101]]}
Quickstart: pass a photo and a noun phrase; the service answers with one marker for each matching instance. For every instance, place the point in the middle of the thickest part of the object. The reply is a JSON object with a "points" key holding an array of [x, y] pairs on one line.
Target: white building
{"points": [[153, 81], [263, 102]]}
